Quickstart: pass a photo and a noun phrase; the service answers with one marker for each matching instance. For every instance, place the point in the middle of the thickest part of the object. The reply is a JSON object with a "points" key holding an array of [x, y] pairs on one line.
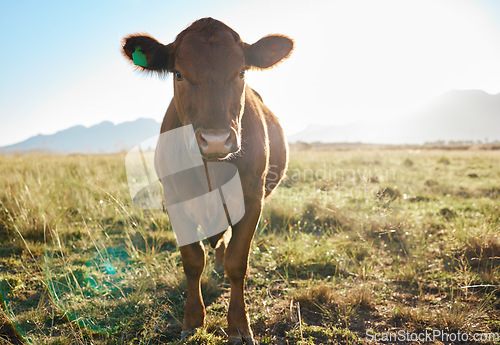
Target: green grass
{"points": [[353, 240]]}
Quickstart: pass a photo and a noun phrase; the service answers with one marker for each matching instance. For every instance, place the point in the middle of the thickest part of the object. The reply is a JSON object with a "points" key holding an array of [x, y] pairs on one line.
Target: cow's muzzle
{"points": [[217, 143]]}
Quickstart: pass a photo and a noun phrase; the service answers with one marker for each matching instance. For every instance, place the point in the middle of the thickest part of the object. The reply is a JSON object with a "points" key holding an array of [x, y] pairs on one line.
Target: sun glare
{"points": [[354, 60], [359, 60]]}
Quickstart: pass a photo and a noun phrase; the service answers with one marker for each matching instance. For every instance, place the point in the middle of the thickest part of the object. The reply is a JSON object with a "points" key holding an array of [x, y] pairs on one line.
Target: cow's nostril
{"points": [[229, 143], [202, 142], [215, 142]]}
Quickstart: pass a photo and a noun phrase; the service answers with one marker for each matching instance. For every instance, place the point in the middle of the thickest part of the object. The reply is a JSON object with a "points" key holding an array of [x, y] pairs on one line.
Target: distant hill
{"points": [[469, 115], [466, 115], [104, 137]]}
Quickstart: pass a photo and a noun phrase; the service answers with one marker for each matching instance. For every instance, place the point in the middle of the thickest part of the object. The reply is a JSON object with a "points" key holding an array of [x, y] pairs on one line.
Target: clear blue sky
{"points": [[61, 64]]}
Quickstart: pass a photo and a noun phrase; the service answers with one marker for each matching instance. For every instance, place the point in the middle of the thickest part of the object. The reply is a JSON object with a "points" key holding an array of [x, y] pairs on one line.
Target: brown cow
{"points": [[231, 123]]}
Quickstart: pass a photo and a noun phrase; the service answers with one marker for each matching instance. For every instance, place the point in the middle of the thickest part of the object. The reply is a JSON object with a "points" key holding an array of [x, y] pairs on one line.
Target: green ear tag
{"points": [[139, 58]]}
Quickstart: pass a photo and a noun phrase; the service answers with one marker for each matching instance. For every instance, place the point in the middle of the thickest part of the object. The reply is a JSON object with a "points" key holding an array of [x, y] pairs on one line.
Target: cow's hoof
{"points": [[249, 341], [234, 341], [240, 341], [185, 335]]}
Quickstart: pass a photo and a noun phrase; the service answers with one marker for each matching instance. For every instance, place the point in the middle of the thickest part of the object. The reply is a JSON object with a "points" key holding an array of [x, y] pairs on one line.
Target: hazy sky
{"points": [[61, 62]]}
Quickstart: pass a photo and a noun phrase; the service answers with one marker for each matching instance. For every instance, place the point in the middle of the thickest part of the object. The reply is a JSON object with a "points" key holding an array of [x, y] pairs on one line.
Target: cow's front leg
{"points": [[236, 264], [193, 260]]}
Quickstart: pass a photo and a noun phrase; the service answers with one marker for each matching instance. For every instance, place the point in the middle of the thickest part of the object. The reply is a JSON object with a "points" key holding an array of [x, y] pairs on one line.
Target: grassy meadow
{"points": [[353, 242]]}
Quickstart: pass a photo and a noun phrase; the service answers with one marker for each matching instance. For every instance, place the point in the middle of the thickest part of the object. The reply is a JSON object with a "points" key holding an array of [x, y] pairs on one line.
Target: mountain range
{"points": [[104, 137], [458, 115]]}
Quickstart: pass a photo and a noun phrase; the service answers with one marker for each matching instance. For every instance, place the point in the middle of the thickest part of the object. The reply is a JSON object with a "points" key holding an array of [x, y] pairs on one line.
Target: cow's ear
{"points": [[268, 51], [149, 54]]}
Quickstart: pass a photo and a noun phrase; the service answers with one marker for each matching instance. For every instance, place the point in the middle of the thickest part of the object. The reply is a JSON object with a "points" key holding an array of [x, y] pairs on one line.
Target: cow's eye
{"points": [[242, 73], [178, 76]]}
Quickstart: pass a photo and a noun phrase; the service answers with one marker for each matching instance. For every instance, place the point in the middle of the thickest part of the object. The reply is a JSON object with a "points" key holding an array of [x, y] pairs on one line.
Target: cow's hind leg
{"points": [[219, 243], [193, 261], [236, 264], [220, 251]]}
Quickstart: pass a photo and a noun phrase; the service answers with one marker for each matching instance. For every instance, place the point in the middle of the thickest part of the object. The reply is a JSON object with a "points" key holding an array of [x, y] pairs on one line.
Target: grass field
{"points": [[353, 242]]}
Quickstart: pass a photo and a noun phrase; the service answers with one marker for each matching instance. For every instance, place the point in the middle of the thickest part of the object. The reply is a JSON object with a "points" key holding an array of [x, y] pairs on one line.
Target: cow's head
{"points": [[208, 61]]}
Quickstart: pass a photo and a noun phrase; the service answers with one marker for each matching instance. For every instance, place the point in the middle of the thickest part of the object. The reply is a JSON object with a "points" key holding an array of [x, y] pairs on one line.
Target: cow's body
{"points": [[264, 152], [252, 140]]}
